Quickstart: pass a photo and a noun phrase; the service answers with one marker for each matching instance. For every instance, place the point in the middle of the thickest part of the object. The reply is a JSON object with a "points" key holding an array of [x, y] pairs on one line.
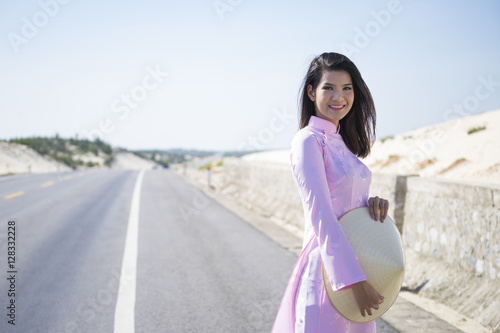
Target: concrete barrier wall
{"points": [[451, 221], [455, 222], [266, 186]]}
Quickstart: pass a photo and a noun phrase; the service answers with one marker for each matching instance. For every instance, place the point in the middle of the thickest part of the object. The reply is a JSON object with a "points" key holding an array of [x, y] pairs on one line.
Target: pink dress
{"points": [[331, 181]]}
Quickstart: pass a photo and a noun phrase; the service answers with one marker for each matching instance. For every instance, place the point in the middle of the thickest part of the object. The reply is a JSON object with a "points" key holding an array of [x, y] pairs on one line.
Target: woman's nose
{"points": [[337, 95]]}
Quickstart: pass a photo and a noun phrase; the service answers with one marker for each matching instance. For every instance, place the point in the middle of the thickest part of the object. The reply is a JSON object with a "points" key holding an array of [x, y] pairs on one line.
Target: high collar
{"points": [[323, 125]]}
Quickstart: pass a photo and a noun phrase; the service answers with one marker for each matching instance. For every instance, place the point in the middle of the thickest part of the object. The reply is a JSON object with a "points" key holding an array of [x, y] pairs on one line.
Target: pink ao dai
{"points": [[331, 181]]}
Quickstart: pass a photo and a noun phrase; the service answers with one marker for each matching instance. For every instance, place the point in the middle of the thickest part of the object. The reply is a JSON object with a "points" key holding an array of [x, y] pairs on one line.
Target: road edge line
{"points": [[124, 320]]}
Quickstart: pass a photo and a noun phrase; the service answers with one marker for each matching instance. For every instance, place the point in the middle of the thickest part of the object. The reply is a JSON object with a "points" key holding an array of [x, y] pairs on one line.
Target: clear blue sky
{"points": [[233, 65]]}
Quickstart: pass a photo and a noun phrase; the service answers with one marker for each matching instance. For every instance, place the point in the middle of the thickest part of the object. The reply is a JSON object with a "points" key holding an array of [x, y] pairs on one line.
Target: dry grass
{"points": [[424, 164], [391, 160], [453, 165]]}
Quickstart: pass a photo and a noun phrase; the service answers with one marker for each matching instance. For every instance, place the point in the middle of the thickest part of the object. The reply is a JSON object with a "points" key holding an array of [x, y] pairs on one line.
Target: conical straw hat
{"points": [[380, 254]]}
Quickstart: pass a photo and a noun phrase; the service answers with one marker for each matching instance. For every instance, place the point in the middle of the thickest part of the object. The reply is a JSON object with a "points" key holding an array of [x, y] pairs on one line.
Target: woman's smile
{"points": [[336, 107]]}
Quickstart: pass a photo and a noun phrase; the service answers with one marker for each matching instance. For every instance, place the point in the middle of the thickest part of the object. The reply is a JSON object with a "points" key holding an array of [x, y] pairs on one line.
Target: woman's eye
{"points": [[327, 88], [348, 88]]}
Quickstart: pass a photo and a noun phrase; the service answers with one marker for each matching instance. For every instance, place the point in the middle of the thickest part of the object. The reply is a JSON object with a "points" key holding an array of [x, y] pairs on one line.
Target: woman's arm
{"points": [[308, 168]]}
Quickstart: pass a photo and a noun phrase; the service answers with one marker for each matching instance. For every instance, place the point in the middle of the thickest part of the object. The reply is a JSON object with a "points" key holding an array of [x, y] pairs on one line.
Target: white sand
{"points": [[444, 150], [129, 161]]}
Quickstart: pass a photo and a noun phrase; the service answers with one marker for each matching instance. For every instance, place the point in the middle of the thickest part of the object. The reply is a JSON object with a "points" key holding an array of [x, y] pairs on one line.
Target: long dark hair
{"points": [[357, 128]]}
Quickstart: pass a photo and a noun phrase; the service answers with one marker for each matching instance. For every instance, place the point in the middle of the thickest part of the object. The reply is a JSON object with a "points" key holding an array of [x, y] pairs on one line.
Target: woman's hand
{"points": [[366, 297], [378, 208]]}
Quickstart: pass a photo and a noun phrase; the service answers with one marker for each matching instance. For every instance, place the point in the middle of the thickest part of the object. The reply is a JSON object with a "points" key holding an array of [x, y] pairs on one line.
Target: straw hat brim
{"points": [[380, 253]]}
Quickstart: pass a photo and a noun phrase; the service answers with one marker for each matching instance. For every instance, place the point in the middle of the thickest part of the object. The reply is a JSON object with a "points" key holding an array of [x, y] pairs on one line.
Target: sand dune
{"points": [[464, 149]]}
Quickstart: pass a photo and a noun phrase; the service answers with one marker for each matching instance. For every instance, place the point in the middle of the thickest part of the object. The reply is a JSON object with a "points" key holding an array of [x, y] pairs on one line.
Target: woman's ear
{"points": [[310, 92]]}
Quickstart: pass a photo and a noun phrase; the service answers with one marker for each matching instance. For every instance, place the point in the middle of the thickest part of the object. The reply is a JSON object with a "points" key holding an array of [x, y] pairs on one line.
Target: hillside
{"points": [[16, 158], [465, 149], [71, 152]]}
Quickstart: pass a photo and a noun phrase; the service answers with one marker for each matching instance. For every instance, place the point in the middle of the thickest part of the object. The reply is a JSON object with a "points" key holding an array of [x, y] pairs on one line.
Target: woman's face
{"points": [[333, 97]]}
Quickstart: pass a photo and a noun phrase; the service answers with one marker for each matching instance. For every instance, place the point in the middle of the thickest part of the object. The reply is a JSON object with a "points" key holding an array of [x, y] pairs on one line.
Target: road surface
{"points": [[190, 265]]}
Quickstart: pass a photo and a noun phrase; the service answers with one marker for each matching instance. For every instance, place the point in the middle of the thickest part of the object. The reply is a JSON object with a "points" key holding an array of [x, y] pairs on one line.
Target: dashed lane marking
{"points": [[13, 195]]}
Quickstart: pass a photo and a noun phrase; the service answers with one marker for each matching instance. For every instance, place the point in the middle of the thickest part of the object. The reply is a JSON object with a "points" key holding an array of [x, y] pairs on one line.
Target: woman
{"points": [[336, 126]]}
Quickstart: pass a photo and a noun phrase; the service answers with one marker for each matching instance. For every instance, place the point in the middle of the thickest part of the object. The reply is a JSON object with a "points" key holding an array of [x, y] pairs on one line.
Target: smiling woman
{"points": [[337, 120]]}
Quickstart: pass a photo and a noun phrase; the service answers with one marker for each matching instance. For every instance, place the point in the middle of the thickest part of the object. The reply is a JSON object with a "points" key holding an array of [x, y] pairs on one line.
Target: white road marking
{"points": [[125, 303]]}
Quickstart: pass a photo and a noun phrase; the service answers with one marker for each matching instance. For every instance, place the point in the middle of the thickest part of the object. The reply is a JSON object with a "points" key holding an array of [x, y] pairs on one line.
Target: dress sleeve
{"points": [[308, 168]]}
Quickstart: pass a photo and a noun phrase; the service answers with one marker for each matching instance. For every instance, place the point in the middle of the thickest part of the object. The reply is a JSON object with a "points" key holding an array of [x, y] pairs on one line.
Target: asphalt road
{"points": [[200, 268]]}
